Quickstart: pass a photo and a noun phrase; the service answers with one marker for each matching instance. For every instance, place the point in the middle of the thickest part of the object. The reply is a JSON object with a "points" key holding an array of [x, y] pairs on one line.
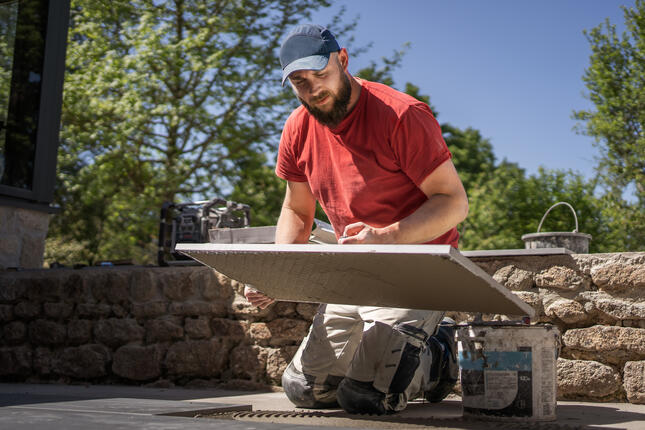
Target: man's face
{"points": [[324, 93]]}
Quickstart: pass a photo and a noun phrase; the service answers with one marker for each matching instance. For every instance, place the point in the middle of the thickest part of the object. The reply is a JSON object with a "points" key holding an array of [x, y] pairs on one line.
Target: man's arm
{"points": [[447, 206], [294, 226], [297, 214]]}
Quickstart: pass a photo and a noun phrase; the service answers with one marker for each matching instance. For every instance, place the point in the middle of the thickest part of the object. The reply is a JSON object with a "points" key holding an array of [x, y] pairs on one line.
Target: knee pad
{"points": [[356, 397], [300, 390]]}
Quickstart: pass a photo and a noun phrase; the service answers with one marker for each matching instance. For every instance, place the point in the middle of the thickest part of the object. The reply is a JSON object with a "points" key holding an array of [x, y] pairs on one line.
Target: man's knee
{"points": [[301, 391]]}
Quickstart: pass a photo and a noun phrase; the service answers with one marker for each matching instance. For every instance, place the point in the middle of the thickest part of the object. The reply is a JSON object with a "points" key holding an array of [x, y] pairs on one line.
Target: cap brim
{"points": [[314, 62]]}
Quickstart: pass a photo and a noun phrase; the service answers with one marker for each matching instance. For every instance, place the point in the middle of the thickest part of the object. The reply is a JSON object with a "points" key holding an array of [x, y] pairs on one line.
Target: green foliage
{"points": [[166, 101], [615, 79]]}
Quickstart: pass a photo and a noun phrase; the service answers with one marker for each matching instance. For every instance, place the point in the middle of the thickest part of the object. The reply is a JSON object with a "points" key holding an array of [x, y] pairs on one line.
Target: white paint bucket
{"points": [[508, 372]]}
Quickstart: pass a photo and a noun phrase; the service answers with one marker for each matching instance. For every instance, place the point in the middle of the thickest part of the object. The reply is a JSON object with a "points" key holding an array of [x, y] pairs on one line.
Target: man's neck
{"points": [[356, 93]]}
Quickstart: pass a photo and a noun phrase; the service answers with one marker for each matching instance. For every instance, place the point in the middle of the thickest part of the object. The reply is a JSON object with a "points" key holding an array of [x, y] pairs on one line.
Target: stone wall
{"points": [[597, 302], [22, 237], [192, 327]]}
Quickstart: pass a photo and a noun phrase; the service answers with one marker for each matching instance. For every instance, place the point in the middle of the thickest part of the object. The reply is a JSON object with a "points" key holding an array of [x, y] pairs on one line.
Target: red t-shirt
{"points": [[369, 168]]}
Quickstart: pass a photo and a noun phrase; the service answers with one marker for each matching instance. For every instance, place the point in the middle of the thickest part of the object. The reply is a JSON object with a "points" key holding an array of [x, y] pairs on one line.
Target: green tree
{"points": [[510, 204], [164, 101], [615, 79]]}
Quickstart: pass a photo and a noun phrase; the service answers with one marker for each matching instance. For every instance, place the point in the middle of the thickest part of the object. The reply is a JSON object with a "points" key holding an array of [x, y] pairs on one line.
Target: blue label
{"points": [[496, 360]]}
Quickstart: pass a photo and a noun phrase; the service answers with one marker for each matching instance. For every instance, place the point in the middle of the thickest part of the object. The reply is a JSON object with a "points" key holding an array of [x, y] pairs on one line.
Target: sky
{"points": [[511, 69]]}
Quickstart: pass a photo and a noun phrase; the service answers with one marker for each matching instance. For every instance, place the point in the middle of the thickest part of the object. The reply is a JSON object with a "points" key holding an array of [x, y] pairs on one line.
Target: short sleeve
{"points": [[418, 144], [287, 163]]}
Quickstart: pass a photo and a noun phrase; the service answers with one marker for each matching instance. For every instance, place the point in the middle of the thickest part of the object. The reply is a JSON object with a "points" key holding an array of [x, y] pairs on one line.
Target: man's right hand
{"points": [[256, 298]]}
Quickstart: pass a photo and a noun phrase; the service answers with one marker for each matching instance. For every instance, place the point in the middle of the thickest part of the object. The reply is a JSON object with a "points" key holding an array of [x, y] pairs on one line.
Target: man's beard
{"points": [[339, 108]]}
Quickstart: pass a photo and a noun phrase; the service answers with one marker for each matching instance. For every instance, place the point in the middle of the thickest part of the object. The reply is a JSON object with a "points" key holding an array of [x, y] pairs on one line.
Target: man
{"points": [[376, 161]]}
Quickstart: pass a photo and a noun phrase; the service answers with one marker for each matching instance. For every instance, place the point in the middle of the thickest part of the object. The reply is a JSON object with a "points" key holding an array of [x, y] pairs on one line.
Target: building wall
{"points": [[192, 327], [22, 237]]}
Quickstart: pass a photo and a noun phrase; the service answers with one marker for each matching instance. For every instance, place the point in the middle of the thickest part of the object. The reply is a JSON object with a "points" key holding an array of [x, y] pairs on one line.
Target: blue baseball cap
{"points": [[307, 47]]}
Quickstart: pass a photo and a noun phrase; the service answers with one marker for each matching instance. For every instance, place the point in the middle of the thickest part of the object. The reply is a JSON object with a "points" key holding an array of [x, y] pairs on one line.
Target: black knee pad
{"points": [[356, 397], [299, 389], [408, 364]]}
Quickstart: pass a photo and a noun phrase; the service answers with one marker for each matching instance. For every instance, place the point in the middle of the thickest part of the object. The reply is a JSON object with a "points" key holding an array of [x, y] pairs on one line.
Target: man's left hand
{"points": [[359, 232]]}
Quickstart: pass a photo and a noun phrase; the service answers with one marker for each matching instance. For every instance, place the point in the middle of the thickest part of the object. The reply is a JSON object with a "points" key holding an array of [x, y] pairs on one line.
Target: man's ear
{"points": [[343, 58]]}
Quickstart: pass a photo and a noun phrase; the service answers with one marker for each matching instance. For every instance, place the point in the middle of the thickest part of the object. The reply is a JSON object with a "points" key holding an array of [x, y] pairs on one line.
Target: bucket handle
{"points": [[558, 204]]}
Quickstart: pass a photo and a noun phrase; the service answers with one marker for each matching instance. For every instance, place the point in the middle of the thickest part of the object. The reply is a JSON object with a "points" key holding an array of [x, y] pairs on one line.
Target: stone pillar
{"points": [[22, 237]]}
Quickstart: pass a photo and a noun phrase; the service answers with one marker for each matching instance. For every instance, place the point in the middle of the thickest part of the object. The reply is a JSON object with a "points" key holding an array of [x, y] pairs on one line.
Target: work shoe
{"points": [[444, 369]]}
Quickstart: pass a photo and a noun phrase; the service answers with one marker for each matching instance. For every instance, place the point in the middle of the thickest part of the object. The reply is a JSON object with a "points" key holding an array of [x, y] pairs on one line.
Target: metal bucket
{"points": [[508, 372], [574, 241]]}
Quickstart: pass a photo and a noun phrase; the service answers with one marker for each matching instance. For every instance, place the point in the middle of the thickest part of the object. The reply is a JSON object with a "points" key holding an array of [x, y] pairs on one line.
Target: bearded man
{"points": [[376, 161]]}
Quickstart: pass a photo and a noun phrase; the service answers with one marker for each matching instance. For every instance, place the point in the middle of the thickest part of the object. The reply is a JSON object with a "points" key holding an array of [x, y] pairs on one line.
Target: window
{"points": [[32, 59]]}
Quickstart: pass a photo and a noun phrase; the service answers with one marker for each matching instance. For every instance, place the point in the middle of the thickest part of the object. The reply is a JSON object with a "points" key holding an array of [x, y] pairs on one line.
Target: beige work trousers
{"points": [[364, 343]]}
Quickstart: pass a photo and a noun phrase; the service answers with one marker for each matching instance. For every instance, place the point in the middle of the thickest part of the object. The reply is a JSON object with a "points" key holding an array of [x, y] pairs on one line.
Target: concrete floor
{"points": [[25, 406]]}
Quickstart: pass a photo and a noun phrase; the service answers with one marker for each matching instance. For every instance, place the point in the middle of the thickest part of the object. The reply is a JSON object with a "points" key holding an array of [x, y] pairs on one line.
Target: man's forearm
{"points": [[433, 218], [292, 228]]}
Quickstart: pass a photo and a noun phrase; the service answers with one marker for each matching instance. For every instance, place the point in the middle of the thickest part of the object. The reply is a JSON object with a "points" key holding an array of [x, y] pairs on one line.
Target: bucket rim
{"points": [[555, 233]]}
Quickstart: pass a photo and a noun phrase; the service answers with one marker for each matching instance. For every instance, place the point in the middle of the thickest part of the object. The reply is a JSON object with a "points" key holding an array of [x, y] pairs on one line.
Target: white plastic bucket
{"points": [[508, 372]]}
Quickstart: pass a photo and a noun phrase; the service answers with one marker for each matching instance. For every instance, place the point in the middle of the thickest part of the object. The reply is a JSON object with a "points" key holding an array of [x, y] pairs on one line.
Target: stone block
{"points": [[15, 361], [83, 362], [561, 277], [277, 361], [6, 313], [44, 289], [226, 328], [119, 311], [47, 333], [26, 310], [260, 332], [620, 273], [14, 333], [620, 309], [110, 286], [249, 362], [284, 309], [197, 328], [208, 285], [568, 311], [149, 310], [532, 299], [74, 287], [197, 358], [162, 330], [307, 310], [79, 331], [114, 332], [287, 330], [606, 344], [514, 278], [177, 286], [138, 363], [634, 381], [42, 361], [217, 309], [581, 379], [93, 310], [11, 289], [58, 310], [144, 286]]}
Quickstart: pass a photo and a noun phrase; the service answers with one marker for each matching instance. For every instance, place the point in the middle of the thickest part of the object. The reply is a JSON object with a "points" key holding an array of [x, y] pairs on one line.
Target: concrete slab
{"points": [[516, 252], [433, 277], [272, 410], [126, 405]]}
